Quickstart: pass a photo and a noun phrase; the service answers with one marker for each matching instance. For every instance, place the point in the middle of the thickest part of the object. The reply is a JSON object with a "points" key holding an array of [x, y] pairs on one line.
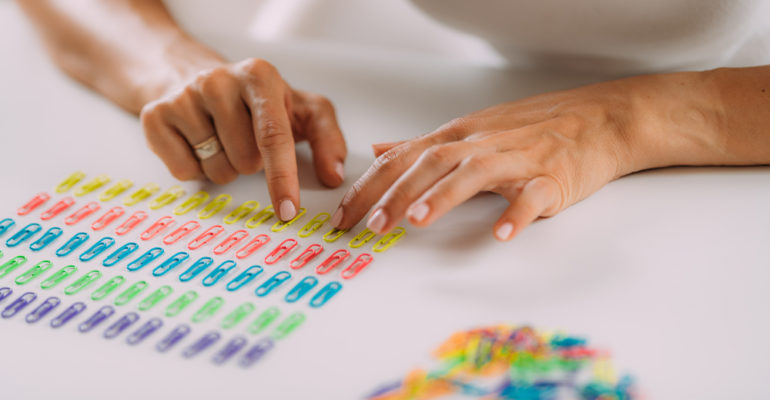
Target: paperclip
{"points": [[208, 310], [181, 232], [252, 246], [260, 217], [115, 190], [48, 237], [96, 319], [167, 197], [131, 292], [72, 244], [220, 272], [215, 206], [301, 289], [119, 254], [196, 269], [88, 209], [131, 223], [97, 248], [141, 194], [69, 182], [155, 297], [157, 227], [42, 310], [283, 249], [5, 292], [201, 344], [92, 185], [181, 303], [233, 346], [334, 234], [263, 320], [170, 263], [19, 304], [244, 278], [111, 215], [58, 276], [241, 212], [11, 265], [237, 315], [256, 352], [281, 225], [33, 203], [66, 315], [192, 202], [32, 273], [57, 208], [314, 225], [231, 241], [269, 285], [364, 237], [120, 325], [6, 224], [361, 262], [173, 338], [325, 294], [107, 288], [82, 282], [289, 325], [23, 235], [205, 237], [310, 253], [145, 259], [332, 261], [144, 331], [389, 239]]}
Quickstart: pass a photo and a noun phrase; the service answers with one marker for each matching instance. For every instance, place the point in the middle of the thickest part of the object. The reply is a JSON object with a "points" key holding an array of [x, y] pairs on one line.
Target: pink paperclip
{"points": [[57, 208], [357, 266], [310, 253], [181, 232], [231, 241], [33, 203], [83, 212], [205, 237], [254, 245], [106, 219], [158, 227], [334, 260], [283, 249], [131, 223]]}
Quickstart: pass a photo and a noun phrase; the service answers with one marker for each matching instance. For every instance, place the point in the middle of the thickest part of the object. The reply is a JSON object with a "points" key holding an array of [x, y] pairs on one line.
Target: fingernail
{"points": [[377, 221], [418, 212], [337, 217], [340, 168], [504, 231], [287, 210]]}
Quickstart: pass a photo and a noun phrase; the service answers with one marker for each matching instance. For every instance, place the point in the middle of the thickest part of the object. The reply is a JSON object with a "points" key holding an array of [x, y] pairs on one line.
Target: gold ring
{"points": [[207, 148]]}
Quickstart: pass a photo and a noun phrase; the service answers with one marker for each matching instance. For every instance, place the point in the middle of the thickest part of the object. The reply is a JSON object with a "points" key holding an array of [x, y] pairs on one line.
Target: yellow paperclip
{"points": [[192, 203], [260, 217], [281, 225], [215, 206], [389, 239], [92, 185], [314, 225], [362, 238], [141, 194], [241, 212], [116, 189], [70, 181], [334, 234], [167, 197]]}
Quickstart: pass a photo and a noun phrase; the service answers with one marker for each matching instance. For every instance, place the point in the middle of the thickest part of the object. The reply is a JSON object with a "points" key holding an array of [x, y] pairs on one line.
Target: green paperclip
{"points": [[334, 234], [389, 239], [215, 206], [107, 288], [263, 320], [237, 315], [260, 217], [116, 190], [314, 225], [241, 212], [167, 197], [130, 293], [155, 298], [191, 203], [70, 181], [58, 276], [362, 238], [141, 194], [92, 185], [281, 225], [83, 282], [208, 310], [11, 265], [33, 272], [181, 303], [289, 325]]}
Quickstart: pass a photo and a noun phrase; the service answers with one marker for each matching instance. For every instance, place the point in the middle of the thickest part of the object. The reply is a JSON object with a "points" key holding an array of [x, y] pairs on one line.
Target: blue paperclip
{"points": [[196, 269], [66, 315], [97, 248], [244, 278], [42, 310], [269, 285], [256, 352], [5, 292], [99, 316], [214, 276], [233, 346], [119, 254], [6, 224], [48, 237], [120, 325], [325, 294], [173, 338], [302, 288], [144, 331], [201, 344], [72, 244], [170, 264], [23, 235], [145, 259], [18, 304]]}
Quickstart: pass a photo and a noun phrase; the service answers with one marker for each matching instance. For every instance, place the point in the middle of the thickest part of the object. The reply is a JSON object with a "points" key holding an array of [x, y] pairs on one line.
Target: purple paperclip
{"points": [[233, 346], [201, 344], [256, 352], [120, 325], [42, 310], [99, 316], [66, 315], [18, 304], [173, 338], [5, 292], [144, 331]]}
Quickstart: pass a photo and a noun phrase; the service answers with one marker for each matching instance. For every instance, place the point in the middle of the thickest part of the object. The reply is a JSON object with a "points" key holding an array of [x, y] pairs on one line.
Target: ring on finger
{"points": [[208, 148]]}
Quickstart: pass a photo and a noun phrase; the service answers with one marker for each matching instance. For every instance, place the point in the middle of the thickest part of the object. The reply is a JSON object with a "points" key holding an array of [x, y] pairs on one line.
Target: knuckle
{"points": [[259, 68], [278, 177], [455, 129], [214, 83], [441, 155], [478, 163], [389, 160], [272, 134]]}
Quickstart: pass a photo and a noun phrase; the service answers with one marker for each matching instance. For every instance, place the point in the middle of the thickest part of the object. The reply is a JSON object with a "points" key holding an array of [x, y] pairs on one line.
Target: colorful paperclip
{"points": [[229, 350], [231, 241], [6, 224], [271, 284], [88, 209], [308, 254], [58, 207], [181, 232], [144, 331], [314, 225], [332, 261], [196, 269], [119, 254], [218, 273], [83, 282], [325, 294], [244, 278], [19, 304], [193, 202], [181, 303], [261, 217], [66, 315], [42, 310], [48, 237], [111, 215], [281, 225], [132, 291], [141, 194], [174, 337], [115, 190], [167, 197], [72, 244], [23, 235], [171, 263], [283, 249], [362, 238], [201, 344], [92, 185], [120, 325], [236, 316], [69, 182], [145, 259], [58, 276], [334, 234], [159, 226], [205, 237], [254, 245], [5, 292], [97, 248], [107, 288], [389, 239], [35, 202], [263, 320], [10, 265], [361, 262], [301, 289], [130, 223], [289, 325], [215, 206], [241, 212], [155, 297], [256, 352], [96, 319], [208, 309]]}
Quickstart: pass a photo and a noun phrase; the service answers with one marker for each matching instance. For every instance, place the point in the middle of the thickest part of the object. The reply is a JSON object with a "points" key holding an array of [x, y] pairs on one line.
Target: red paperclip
{"points": [[106, 219], [57, 208], [334, 260], [283, 249], [181, 232], [252, 246], [33, 203], [205, 237], [231, 241], [131, 223], [83, 212], [357, 266], [310, 253], [157, 227]]}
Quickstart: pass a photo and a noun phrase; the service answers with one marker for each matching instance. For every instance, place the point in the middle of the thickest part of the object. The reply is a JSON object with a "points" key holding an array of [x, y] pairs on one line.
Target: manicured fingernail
{"points": [[418, 212], [377, 221], [504, 231], [340, 168], [337, 217], [287, 210]]}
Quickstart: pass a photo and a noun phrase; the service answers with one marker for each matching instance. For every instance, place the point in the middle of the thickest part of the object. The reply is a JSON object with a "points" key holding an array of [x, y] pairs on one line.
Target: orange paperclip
{"points": [[157, 227], [83, 212], [205, 237], [33, 203], [181, 232], [310, 253], [334, 260], [231, 241], [57, 208], [106, 219], [283, 249], [252, 246], [357, 266], [131, 223]]}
